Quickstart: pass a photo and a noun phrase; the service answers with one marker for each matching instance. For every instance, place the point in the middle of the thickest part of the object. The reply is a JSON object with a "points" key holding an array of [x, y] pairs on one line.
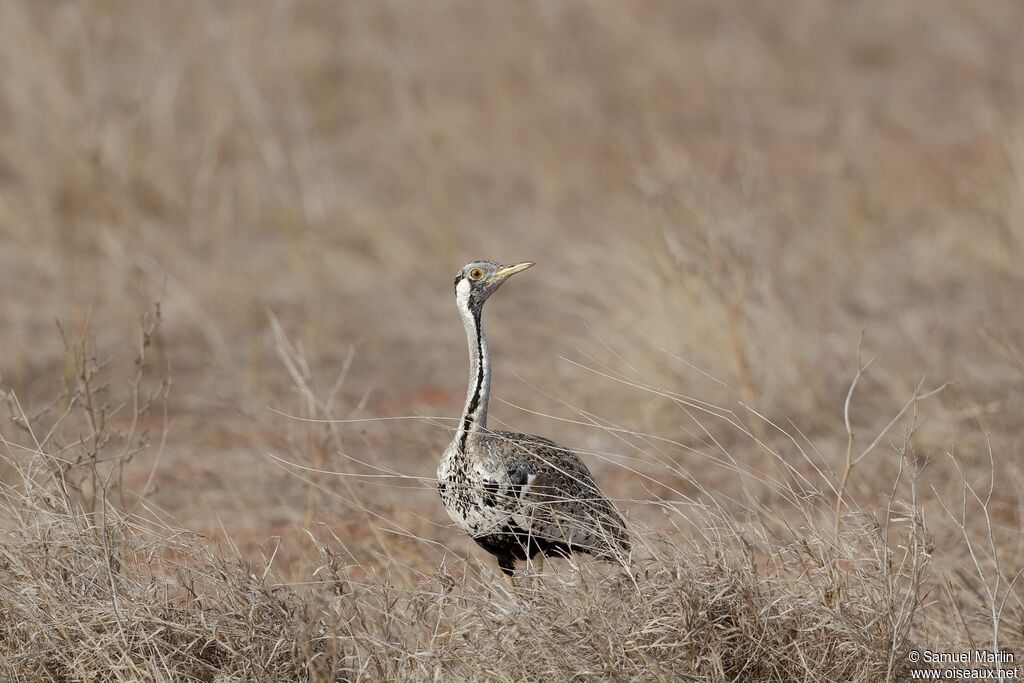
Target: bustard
{"points": [[517, 495]]}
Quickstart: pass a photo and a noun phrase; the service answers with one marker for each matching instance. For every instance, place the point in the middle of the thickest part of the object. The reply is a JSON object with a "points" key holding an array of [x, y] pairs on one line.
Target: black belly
{"points": [[513, 543]]}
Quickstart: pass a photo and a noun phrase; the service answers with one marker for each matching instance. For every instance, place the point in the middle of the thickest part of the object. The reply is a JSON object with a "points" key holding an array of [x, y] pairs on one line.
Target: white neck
{"points": [[474, 415]]}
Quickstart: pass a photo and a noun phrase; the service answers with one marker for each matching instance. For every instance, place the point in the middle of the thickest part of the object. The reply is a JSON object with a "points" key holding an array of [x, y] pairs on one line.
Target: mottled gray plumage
{"points": [[517, 495]]}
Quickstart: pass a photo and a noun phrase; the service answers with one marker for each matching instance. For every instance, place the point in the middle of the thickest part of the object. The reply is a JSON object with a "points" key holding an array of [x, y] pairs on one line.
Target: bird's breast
{"points": [[466, 495]]}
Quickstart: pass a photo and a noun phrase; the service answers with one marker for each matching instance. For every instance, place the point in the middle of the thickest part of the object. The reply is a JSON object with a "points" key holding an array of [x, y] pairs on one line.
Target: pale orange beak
{"points": [[507, 271]]}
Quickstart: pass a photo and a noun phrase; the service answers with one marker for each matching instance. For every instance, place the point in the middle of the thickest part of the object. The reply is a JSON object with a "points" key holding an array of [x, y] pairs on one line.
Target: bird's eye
{"points": [[476, 274]]}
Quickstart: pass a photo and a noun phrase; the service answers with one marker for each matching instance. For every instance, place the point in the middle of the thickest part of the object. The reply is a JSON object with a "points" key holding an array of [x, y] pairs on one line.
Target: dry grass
{"points": [[777, 311], [93, 591]]}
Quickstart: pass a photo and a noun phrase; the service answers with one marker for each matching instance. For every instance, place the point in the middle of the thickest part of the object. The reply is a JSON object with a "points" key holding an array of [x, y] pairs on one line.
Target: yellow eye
{"points": [[476, 274]]}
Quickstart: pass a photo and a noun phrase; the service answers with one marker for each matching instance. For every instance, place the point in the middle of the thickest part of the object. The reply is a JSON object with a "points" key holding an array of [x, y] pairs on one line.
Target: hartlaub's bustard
{"points": [[517, 495]]}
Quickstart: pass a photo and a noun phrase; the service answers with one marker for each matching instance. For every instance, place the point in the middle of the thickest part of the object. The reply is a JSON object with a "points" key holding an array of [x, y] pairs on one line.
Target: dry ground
{"points": [[722, 198]]}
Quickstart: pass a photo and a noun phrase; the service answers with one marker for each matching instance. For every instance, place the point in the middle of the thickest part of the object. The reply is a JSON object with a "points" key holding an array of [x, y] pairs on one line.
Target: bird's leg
{"points": [[507, 565], [538, 570]]}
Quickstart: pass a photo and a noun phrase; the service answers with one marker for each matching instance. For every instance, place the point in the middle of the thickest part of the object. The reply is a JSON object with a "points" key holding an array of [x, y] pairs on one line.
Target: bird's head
{"points": [[479, 279]]}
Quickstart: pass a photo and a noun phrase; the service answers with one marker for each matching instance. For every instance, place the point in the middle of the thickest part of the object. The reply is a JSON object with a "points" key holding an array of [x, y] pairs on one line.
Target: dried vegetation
{"points": [[777, 311]]}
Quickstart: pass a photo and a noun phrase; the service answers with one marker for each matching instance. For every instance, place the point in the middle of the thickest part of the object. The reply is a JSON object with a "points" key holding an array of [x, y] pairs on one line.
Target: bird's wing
{"points": [[553, 494]]}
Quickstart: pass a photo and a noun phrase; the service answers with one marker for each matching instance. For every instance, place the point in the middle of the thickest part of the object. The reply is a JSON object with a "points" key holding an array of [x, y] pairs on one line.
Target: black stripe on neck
{"points": [[474, 402]]}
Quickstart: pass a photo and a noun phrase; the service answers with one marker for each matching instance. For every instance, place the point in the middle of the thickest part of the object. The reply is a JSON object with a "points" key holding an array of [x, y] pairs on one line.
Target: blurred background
{"points": [[720, 196]]}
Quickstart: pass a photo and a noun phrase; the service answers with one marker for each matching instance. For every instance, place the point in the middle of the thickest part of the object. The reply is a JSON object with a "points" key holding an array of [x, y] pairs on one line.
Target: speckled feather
{"points": [[517, 495], [514, 483]]}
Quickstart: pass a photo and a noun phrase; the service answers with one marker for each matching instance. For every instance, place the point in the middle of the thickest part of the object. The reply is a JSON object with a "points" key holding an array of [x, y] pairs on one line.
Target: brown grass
{"points": [[766, 236]]}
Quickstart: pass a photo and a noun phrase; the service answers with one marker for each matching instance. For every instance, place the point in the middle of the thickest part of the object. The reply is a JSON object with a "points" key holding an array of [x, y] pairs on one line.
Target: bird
{"points": [[519, 496]]}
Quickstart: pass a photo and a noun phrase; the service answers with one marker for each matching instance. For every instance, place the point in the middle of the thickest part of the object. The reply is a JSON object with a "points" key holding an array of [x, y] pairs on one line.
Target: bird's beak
{"points": [[505, 272]]}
